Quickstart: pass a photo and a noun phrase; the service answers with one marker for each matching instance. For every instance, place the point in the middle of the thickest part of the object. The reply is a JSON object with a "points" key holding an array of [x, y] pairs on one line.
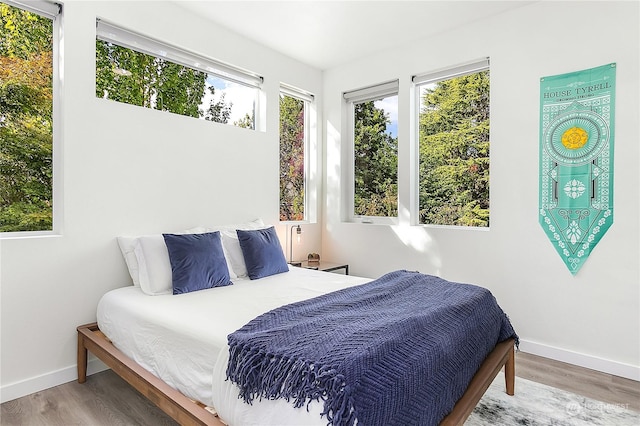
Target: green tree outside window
{"points": [[376, 162], [26, 121], [454, 151], [136, 78]]}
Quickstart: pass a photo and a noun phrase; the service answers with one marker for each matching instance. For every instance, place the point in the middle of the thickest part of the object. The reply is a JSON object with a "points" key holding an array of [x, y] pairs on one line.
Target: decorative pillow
{"points": [[154, 276], [128, 247], [197, 261], [231, 246], [262, 252]]}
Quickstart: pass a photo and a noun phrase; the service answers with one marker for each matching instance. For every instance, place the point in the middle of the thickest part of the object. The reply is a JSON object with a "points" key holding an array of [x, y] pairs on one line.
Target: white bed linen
{"points": [[182, 339]]}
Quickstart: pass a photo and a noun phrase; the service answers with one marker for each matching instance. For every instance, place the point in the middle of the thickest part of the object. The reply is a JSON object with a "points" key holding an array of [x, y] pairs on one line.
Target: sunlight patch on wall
{"points": [[417, 238]]}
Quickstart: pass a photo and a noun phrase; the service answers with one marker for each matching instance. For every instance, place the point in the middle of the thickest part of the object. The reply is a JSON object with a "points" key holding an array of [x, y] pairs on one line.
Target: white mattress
{"points": [[182, 339]]}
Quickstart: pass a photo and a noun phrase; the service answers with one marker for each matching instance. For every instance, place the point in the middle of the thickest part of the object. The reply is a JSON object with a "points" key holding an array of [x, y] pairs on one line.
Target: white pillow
{"points": [[154, 266], [128, 246], [233, 251], [231, 245]]}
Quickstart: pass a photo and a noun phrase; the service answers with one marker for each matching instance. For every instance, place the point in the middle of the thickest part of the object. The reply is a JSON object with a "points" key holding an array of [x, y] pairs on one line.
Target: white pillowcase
{"points": [[127, 247], [154, 266], [148, 262], [231, 245]]}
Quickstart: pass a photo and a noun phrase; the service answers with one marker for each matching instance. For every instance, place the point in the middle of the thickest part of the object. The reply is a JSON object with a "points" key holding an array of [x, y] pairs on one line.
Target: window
{"points": [[137, 70], [294, 145], [453, 136], [373, 118], [28, 91]]}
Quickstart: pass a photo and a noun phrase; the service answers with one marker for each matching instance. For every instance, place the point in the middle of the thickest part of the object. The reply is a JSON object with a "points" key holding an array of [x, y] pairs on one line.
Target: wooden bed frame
{"points": [[187, 412]]}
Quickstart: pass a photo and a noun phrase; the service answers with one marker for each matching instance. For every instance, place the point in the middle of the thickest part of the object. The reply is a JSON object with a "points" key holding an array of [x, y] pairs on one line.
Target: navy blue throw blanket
{"points": [[400, 350]]}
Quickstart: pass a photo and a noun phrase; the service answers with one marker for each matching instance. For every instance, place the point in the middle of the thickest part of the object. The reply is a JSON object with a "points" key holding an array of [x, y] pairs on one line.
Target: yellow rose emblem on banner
{"points": [[575, 138]]}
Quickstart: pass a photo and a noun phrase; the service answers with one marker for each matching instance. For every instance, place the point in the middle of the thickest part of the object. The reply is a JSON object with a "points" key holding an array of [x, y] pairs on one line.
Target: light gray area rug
{"points": [[535, 404]]}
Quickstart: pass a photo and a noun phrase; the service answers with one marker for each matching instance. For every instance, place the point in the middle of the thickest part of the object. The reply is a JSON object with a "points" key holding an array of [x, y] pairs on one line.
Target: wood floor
{"points": [[581, 381], [105, 399]]}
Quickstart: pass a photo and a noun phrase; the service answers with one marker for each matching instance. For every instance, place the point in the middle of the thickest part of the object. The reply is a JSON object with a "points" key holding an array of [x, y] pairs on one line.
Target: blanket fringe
{"points": [[262, 375]]}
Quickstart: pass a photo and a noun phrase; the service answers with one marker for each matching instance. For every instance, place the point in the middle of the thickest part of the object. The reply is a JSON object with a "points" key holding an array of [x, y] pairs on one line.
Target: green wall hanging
{"points": [[577, 112]]}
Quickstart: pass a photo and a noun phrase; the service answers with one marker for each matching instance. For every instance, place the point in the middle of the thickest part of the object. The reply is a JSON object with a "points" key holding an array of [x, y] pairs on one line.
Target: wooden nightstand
{"points": [[326, 266]]}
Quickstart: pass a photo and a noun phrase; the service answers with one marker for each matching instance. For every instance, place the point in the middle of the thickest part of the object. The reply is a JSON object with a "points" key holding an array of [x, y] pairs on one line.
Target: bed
{"points": [[174, 349]]}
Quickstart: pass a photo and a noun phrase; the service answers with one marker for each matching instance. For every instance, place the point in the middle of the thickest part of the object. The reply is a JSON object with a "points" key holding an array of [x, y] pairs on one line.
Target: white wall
{"points": [[591, 319], [130, 171]]}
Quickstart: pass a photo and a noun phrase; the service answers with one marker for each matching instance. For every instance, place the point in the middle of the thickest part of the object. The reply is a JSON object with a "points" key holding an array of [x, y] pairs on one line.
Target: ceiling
{"points": [[325, 34]]}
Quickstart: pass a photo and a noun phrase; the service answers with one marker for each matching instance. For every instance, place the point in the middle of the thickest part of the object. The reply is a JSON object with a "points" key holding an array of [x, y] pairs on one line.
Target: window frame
{"points": [[53, 11], [113, 33], [418, 80], [350, 99], [116, 34], [309, 106]]}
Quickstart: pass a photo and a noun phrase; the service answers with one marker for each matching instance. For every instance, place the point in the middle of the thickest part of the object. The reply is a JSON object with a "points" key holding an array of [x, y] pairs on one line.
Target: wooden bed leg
{"points": [[182, 409], [82, 359], [510, 372]]}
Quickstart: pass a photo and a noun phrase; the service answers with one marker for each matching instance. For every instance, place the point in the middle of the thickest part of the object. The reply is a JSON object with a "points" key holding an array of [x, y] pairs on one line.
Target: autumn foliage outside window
{"points": [[292, 158], [26, 120]]}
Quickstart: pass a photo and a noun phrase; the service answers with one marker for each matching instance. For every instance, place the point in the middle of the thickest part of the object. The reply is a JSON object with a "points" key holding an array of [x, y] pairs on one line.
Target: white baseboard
{"points": [[588, 361], [36, 384]]}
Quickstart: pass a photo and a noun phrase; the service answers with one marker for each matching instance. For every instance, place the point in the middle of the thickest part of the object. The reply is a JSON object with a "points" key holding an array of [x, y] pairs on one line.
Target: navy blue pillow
{"points": [[262, 252], [197, 261]]}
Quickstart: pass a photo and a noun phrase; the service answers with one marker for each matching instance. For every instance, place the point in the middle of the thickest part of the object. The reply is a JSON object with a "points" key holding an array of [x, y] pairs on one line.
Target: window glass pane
{"points": [[228, 102], [376, 157], [454, 151], [136, 78], [292, 156], [26, 121]]}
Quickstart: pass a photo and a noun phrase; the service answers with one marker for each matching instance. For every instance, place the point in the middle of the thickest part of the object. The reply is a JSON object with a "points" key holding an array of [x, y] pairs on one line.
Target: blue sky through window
{"points": [[390, 107], [242, 97]]}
